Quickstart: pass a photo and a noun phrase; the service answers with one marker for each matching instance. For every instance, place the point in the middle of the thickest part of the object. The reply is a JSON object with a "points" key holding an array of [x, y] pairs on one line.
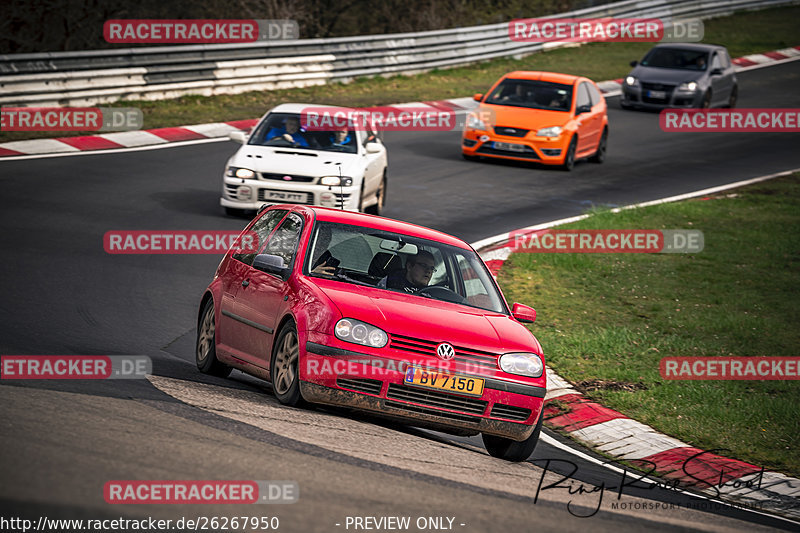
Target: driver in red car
{"points": [[416, 275]]}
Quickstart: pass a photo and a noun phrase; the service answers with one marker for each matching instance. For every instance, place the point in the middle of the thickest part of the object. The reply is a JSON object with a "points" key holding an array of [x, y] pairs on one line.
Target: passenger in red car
{"points": [[416, 275]]}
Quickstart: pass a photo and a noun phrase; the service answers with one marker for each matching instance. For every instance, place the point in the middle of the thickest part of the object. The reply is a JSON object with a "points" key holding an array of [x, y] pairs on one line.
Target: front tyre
{"points": [[512, 450], [284, 369], [600, 155], [377, 209], [206, 346], [569, 158]]}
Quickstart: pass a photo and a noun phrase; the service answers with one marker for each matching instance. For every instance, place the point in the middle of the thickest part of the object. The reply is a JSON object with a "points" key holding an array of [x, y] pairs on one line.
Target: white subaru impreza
{"points": [[282, 162]]}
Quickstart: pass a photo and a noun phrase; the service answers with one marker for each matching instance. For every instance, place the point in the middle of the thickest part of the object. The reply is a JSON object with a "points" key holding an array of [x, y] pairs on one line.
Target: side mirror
{"points": [[373, 148], [477, 97], [583, 109], [716, 72], [271, 264], [634, 63], [523, 313], [238, 136]]}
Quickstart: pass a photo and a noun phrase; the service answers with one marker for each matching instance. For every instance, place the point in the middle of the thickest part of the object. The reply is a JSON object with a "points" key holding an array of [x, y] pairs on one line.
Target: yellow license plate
{"points": [[420, 377]]}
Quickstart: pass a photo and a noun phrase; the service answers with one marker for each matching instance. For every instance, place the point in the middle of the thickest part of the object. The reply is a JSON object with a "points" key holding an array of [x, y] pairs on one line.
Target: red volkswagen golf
{"points": [[347, 309]]}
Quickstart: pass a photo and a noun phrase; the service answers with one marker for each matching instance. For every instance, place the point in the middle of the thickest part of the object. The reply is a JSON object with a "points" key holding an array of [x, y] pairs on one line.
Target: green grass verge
{"points": [[743, 33], [606, 320]]}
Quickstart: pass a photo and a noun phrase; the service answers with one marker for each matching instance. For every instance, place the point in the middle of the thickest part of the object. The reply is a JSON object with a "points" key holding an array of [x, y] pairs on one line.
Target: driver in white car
{"points": [[417, 274]]}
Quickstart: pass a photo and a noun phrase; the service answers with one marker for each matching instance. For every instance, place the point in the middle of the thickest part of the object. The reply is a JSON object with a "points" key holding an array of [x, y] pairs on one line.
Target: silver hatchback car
{"points": [[681, 75]]}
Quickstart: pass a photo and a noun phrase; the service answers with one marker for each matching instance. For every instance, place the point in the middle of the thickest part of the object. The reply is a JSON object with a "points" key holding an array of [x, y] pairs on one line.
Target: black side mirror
{"points": [[583, 109], [716, 72], [271, 264], [634, 63]]}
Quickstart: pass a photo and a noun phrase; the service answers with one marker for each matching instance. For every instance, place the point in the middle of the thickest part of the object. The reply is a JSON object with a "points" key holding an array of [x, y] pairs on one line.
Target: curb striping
{"points": [[222, 129], [621, 437]]}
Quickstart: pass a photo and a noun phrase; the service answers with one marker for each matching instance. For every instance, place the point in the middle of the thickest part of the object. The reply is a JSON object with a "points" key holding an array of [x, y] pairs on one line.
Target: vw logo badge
{"points": [[445, 351]]}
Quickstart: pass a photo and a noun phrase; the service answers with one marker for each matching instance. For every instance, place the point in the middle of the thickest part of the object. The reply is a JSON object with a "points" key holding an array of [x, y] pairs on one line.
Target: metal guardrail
{"points": [[153, 73]]}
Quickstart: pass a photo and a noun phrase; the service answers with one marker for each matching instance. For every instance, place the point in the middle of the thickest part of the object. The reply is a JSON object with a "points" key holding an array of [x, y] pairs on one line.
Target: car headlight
{"points": [[242, 173], [336, 181], [690, 86], [351, 330], [522, 364], [475, 123], [631, 81], [552, 131]]}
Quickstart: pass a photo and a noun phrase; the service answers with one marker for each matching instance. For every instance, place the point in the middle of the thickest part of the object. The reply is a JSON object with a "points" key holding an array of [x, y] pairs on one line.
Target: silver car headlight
{"points": [[352, 330], [475, 123], [631, 81], [552, 131], [242, 173], [336, 181], [690, 86], [522, 364]]}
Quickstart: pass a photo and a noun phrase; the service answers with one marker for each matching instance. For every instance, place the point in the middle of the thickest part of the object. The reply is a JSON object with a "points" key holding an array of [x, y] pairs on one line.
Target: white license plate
{"points": [[286, 196], [509, 147], [657, 94]]}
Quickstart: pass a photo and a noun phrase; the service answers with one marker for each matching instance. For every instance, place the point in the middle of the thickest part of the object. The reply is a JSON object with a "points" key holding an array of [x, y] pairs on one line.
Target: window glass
{"points": [[583, 96], [594, 93], [532, 94], [262, 228], [715, 62], [283, 242], [401, 263]]}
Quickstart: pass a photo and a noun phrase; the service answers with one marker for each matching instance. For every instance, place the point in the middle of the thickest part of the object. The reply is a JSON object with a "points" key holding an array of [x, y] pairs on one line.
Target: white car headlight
{"points": [[475, 123], [352, 330], [690, 86], [631, 81], [552, 131], [522, 364], [242, 173], [336, 181]]}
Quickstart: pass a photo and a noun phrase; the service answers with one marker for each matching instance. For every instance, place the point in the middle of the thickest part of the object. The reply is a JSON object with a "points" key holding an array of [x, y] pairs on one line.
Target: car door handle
{"points": [[245, 283]]}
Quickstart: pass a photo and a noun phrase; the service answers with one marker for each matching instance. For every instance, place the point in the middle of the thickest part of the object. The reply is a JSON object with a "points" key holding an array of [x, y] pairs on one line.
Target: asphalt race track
{"points": [[62, 293]]}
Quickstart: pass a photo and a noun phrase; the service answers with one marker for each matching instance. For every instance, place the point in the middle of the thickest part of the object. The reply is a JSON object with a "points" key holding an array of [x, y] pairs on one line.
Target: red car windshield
{"points": [[396, 262]]}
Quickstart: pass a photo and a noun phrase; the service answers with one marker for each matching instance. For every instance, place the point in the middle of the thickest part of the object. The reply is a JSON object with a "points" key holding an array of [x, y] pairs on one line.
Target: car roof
{"points": [[552, 77], [297, 108], [691, 46], [329, 214]]}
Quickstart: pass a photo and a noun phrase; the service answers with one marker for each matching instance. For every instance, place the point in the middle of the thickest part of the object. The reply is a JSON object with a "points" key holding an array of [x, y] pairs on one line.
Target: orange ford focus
{"points": [[544, 117]]}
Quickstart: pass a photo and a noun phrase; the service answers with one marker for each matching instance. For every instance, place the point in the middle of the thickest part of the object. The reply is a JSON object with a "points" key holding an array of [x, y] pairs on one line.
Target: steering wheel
{"points": [[443, 293]]}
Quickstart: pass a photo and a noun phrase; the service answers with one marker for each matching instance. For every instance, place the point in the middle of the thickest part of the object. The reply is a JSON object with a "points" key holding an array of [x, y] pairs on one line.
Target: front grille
{"points": [[288, 197], [426, 347], [433, 412], [436, 399], [367, 386], [657, 87], [510, 132], [666, 89], [510, 412], [527, 154], [469, 143], [282, 177]]}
